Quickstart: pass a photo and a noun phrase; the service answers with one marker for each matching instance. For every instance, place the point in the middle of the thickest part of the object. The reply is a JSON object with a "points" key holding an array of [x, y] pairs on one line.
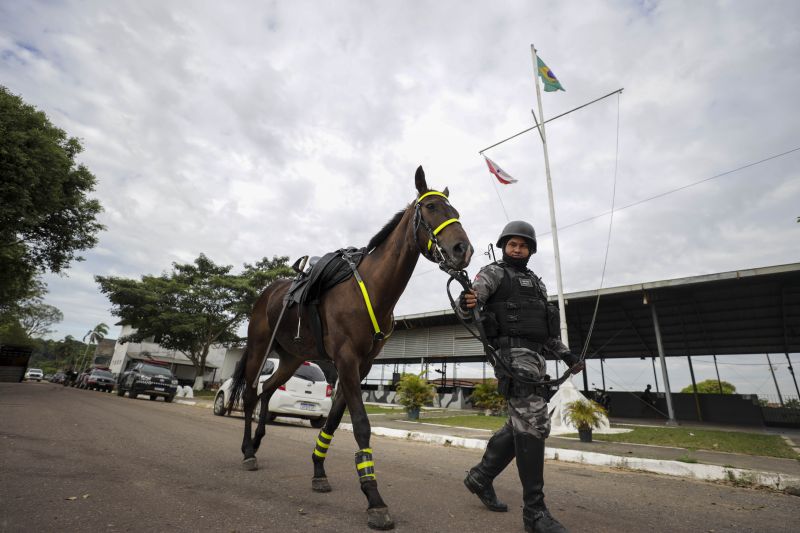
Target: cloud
{"points": [[252, 129]]}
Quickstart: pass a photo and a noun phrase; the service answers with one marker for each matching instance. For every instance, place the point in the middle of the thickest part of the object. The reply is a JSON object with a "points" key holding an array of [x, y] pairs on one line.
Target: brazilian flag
{"points": [[549, 79]]}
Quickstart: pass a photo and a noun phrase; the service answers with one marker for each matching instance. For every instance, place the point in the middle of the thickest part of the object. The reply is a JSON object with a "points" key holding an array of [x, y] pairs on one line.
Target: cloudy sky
{"points": [[250, 129]]}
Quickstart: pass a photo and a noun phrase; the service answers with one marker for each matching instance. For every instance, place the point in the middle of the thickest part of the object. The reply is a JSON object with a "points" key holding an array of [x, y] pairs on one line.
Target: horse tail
{"points": [[239, 382]]}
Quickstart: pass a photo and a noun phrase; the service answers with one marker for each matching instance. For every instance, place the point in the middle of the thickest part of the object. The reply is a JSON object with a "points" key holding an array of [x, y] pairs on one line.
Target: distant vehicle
{"points": [[80, 380], [34, 373], [148, 378], [99, 379], [306, 395], [58, 377]]}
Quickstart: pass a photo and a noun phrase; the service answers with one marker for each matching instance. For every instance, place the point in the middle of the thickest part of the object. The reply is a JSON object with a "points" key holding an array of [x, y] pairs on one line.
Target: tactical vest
{"points": [[518, 308]]}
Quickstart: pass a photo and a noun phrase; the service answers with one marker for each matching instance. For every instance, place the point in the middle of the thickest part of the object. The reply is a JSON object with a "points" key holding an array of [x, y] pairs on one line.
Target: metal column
{"points": [[719, 381], [780, 398], [694, 388], [603, 373], [657, 329]]}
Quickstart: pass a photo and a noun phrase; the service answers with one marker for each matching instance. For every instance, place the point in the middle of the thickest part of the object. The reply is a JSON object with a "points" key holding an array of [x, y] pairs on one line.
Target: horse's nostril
{"points": [[460, 248]]}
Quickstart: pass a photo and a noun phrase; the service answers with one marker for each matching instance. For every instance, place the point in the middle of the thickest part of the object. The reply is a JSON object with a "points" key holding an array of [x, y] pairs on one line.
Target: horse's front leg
{"points": [[377, 511], [319, 483]]}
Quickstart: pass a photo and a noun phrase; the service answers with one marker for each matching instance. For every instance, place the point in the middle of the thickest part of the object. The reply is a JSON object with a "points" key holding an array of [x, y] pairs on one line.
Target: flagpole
{"points": [[561, 309]]}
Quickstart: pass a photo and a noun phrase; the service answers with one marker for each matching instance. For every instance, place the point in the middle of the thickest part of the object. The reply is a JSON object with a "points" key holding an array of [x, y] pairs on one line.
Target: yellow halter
{"points": [[441, 226]]}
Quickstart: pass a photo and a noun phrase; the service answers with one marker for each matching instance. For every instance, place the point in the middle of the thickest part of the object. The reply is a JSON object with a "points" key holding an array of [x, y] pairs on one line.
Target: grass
{"points": [[692, 439], [706, 439], [471, 421], [375, 409]]}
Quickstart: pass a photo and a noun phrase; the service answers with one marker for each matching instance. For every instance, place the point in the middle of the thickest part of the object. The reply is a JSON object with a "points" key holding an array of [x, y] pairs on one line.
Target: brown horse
{"points": [[428, 226]]}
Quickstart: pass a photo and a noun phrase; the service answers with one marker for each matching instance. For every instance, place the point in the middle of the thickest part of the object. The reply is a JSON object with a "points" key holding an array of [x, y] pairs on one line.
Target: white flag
{"points": [[501, 175]]}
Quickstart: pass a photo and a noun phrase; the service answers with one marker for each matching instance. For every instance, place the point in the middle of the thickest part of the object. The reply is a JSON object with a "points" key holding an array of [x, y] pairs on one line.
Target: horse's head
{"points": [[440, 236]]}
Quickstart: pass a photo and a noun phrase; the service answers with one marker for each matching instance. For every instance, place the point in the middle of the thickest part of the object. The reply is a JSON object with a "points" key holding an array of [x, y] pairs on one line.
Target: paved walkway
{"points": [[785, 467], [736, 460]]}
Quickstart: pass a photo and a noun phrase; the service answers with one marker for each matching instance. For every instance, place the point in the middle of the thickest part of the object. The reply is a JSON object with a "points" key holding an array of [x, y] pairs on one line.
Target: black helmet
{"points": [[518, 228]]}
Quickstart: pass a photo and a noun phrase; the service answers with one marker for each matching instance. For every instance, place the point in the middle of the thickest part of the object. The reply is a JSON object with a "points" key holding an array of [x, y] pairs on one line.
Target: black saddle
{"points": [[305, 291], [325, 273]]}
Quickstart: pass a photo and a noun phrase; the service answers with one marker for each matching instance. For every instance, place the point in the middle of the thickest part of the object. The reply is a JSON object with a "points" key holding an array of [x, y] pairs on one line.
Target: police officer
{"points": [[522, 327]]}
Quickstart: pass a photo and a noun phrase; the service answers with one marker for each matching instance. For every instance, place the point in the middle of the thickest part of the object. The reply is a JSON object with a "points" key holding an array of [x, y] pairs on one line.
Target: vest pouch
{"points": [[553, 320], [490, 326]]}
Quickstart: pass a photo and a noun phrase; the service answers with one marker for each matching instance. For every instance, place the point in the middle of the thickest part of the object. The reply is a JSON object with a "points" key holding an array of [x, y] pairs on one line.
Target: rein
{"points": [[433, 243]]}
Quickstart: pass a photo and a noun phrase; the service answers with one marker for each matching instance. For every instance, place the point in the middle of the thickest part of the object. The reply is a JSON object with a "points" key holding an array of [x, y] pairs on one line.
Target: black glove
{"points": [[462, 302], [569, 358]]}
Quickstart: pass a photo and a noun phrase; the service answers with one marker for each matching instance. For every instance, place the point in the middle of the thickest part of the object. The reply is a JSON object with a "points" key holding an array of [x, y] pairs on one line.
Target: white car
{"points": [[306, 395], [34, 373]]}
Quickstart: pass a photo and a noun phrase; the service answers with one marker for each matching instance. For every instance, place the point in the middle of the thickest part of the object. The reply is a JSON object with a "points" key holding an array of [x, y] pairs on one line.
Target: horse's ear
{"points": [[446, 191], [419, 180]]}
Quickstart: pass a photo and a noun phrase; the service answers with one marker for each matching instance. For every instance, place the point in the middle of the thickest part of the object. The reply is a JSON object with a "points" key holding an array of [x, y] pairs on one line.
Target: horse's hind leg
{"points": [[249, 399], [377, 511], [286, 369]]}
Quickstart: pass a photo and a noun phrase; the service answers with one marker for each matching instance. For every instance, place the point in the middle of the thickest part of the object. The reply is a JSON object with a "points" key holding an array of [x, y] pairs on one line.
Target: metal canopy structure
{"points": [[750, 311]]}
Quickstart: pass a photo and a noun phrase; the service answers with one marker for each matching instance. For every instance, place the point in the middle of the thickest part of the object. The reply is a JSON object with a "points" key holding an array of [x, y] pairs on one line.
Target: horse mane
{"points": [[381, 236]]}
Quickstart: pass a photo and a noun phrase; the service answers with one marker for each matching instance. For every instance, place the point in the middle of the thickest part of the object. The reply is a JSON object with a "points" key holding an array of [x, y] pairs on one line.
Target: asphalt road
{"points": [[73, 460]]}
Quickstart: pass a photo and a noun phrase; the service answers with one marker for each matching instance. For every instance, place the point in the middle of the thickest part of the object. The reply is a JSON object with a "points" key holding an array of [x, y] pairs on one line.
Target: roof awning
{"points": [[748, 311], [163, 359]]}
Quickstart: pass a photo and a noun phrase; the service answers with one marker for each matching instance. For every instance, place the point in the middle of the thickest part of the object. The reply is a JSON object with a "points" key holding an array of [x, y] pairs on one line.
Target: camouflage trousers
{"points": [[527, 411]]}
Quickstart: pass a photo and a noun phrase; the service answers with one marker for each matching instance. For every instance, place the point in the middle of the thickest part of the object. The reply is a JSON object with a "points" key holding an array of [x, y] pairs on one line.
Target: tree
{"points": [[95, 335], [36, 317], [46, 216], [711, 386], [193, 307]]}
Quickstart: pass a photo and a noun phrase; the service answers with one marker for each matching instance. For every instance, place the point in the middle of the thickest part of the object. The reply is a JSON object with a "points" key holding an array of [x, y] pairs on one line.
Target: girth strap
{"points": [[378, 335]]}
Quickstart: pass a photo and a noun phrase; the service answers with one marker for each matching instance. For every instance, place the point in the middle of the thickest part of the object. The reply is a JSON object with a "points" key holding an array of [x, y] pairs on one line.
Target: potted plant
{"points": [[414, 391], [485, 396], [585, 415]]}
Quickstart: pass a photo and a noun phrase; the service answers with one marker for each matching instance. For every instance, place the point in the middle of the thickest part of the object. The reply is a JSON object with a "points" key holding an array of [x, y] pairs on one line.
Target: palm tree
{"points": [[95, 336]]}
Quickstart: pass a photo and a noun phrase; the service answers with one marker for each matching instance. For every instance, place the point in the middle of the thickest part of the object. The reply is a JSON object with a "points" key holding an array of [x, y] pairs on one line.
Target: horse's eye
{"points": [[431, 206]]}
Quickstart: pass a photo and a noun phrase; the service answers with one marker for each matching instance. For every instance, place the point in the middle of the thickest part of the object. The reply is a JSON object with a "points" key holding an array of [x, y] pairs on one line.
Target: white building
{"points": [[220, 361]]}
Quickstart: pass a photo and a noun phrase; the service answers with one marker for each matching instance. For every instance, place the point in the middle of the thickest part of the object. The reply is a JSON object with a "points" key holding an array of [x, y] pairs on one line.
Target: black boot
{"points": [[499, 452], [530, 463]]}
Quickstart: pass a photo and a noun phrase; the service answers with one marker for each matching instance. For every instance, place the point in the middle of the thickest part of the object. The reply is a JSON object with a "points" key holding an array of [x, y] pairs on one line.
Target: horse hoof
{"points": [[320, 484], [250, 464], [378, 518]]}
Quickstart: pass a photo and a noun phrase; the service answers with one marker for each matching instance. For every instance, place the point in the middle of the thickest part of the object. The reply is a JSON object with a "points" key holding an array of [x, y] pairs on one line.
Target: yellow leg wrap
{"points": [[322, 445], [364, 464]]}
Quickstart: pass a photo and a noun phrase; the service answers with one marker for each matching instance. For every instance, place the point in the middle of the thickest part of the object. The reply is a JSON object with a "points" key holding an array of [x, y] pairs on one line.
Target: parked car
{"points": [[58, 377], [34, 373], [80, 380], [100, 379], [148, 378], [306, 395]]}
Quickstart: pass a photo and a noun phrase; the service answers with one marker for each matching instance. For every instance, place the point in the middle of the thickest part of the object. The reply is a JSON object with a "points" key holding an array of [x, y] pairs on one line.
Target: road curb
{"points": [[738, 476]]}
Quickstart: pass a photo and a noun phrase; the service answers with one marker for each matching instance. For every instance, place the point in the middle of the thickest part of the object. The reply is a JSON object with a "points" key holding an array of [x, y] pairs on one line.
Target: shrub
{"points": [[414, 391], [585, 414], [485, 396]]}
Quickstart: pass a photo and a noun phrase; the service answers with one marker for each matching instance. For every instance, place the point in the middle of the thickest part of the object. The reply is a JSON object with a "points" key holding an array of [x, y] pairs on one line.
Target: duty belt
{"points": [[517, 342]]}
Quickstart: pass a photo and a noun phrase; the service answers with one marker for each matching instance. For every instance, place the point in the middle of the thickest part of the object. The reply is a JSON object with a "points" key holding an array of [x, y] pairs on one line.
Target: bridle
{"points": [[433, 251]]}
